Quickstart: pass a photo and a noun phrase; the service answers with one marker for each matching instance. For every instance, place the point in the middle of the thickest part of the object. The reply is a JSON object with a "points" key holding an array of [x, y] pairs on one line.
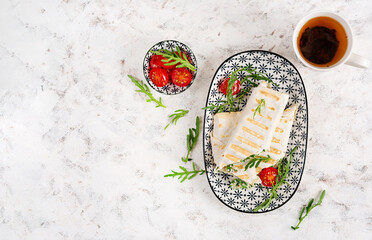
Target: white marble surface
{"points": [[82, 155]]}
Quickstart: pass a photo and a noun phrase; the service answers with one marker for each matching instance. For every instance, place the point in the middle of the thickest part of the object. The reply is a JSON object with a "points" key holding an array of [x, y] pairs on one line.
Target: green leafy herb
{"points": [[217, 108], [251, 74], [191, 139], [177, 115], [283, 169], [255, 160], [230, 102], [230, 168], [223, 105], [143, 88], [308, 208], [175, 57], [186, 174], [238, 183], [258, 108]]}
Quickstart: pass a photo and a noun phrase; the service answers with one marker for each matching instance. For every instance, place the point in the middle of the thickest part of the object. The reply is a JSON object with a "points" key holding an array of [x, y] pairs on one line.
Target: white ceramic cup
{"points": [[349, 58]]}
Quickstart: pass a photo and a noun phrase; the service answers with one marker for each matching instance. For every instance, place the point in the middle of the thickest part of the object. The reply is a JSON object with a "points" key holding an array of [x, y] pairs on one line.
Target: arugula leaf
{"points": [[254, 160], [143, 88], [230, 168], [230, 102], [223, 105], [238, 183], [191, 139], [302, 211], [258, 108], [321, 197], [216, 108], [283, 169], [308, 208], [186, 174], [173, 58], [177, 115], [309, 205], [252, 74]]}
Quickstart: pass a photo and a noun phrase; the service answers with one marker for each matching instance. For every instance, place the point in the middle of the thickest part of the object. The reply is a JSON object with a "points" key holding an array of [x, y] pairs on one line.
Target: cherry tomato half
{"points": [[235, 88], [184, 54], [181, 77], [169, 71], [268, 176], [159, 77], [155, 61]]}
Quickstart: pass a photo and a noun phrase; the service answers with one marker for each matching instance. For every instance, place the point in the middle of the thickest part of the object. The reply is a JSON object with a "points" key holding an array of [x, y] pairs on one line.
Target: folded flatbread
{"points": [[237, 135]]}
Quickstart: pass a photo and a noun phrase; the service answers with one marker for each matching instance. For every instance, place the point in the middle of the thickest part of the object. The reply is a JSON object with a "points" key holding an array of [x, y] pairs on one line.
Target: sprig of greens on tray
{"points": [[191, 139], [186, 174], [238, 183], [229, 103], [143, 88], [176, 115], [253, 160], [177, 58], [308, 208], [223, 105], [283, 169], [252, 74], [230, 168], [258, 108]]}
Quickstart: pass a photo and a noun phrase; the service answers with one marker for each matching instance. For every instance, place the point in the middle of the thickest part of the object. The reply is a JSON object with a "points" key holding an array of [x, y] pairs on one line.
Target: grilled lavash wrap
{"points": [[266, 133]]}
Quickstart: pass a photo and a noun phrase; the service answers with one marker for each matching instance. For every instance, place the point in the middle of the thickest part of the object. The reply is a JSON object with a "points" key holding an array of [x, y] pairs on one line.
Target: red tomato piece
{"points": [[155, 61], [181, 77], [235, 88], [159, 77], [169, 71], [184, 54], [162, 64], [268, 176]]}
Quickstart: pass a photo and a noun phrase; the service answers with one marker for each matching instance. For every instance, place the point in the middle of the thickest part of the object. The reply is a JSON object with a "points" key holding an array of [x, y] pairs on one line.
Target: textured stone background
{"points": [[82, 155]]}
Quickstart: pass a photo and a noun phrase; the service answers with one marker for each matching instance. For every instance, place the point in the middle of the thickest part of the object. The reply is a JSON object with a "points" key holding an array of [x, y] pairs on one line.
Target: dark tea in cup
{"points": [[322, 41]]}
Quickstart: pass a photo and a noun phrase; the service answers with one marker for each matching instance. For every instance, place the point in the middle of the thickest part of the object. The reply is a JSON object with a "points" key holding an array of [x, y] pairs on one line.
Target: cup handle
{"points": [[356, 60]]}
